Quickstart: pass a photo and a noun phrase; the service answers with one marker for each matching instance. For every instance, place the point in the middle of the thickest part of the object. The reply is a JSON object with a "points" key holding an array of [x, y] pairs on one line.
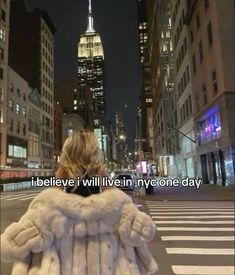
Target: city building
{"points": [[74, 98], [91, 64], [71, 122], [121, 138], [146, 138], [17, 121], [58, 114], [34, 131], [161, 66], [212, 58], [31, 54], [4, 40], [183, 124]]}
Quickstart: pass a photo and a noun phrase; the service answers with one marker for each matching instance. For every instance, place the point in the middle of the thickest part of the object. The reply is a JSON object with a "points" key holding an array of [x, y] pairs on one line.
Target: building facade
{"points": [[91, 65], [74, 98], [17, 120], [146, 143], [33, 59], [185, 157], [34, 129], [58, 114], [212, 58], [4, 40], [161, 64]]}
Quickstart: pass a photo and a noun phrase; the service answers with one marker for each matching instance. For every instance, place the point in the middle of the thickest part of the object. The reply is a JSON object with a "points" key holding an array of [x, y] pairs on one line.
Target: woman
{"points": [[89, 233], [81, 159]]}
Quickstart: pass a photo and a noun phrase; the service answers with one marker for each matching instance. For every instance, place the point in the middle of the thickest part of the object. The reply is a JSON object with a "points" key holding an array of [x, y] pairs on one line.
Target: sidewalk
{"points": [[205, 192]]}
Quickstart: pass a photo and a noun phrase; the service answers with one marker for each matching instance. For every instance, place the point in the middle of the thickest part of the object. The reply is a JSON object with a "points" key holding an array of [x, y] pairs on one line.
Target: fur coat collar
{"points": [[66, 234]]}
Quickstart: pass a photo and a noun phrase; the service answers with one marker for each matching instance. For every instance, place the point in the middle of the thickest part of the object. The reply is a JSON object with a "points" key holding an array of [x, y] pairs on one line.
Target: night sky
{"points": [[116, 22]]}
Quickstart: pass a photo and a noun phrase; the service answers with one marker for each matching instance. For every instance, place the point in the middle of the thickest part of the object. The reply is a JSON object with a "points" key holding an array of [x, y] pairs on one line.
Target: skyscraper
{"points": [[91, 64]]}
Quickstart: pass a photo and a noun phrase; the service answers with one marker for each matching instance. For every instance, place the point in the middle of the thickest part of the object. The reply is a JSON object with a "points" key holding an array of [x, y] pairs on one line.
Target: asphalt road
{"points": [[195, 228]]}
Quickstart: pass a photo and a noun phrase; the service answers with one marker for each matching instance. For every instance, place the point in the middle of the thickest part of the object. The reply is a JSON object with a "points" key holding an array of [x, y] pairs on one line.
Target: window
{"points": [[1, 73], [11, 124], [200, 51], [24, 129], [1, 93], [209, 34], [198, 21], [11, 88], [23, 112], [191, 36], [18, 127], [2, 34], [1, 53], [11, 105], [206, 4], [194, 64], [3, 15], [190, 104], [24, 97], [214, 81], [17, 109], [18, 92], [204, 94]]}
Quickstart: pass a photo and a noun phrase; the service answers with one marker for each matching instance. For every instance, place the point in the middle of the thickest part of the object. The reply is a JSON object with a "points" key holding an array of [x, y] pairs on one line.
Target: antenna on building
{"points": [[90, 27]]}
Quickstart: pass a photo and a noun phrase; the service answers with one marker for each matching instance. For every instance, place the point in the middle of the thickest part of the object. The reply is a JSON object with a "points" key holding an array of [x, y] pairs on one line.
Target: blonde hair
{"points": [[81, 155]]}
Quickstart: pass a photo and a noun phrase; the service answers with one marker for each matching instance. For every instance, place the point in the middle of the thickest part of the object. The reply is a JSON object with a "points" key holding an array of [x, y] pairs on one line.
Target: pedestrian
{"points": [[80, 232]]}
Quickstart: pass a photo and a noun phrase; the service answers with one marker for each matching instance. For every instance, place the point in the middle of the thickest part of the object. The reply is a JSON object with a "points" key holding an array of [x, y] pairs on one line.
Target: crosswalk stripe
{"points": [[194, 222], [200, 251], [228, 229], [198, 238], [18, 198], [189, 212], [202, 270], [189, 208], [193, 217], [28, 198], [15, 196]]}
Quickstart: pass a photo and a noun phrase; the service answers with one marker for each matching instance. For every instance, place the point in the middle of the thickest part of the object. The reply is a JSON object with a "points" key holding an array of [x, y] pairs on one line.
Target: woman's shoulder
{"points": [[62, 173]]}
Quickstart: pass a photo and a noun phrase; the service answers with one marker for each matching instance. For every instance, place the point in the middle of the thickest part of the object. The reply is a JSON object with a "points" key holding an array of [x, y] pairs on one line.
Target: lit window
{"points": [[214, 81], [11, 105], [23, 112], [17, 109], [75, 102], [2, 34]]}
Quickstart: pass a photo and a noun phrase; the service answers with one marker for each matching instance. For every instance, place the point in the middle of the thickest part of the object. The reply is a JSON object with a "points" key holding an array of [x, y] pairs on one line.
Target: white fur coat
{"points": [[66, 234]]}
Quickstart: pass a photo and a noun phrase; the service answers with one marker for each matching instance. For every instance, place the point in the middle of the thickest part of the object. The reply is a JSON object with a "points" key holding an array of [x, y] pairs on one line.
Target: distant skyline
{"points": [[116, 22]]}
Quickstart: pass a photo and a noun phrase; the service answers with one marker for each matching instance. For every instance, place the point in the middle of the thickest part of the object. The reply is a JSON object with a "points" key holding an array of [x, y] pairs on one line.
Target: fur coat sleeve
{"points": [[65, 234]]}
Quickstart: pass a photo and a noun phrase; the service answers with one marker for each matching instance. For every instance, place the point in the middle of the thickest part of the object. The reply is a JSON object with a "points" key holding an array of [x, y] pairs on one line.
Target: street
{"points": [[195, 228]]}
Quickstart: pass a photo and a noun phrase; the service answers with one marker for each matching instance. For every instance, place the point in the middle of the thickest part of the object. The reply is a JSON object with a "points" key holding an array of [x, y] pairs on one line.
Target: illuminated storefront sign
{"points": [[209, 128]]}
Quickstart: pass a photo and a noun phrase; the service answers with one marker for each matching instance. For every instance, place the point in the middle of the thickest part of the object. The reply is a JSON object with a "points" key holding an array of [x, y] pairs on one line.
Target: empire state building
{"points": [[91, 65]]}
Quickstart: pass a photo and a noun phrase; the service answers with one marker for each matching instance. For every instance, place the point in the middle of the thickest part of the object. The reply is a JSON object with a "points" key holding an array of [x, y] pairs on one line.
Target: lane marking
{"points": [[189, 212], [18, 198], [198, 238], [200, 251], [28, 198], [202, 270], [194, 222], [210, 229], [193, 217]]}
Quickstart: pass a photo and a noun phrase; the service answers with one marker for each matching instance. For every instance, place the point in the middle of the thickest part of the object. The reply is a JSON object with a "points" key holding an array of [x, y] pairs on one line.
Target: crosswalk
{"points": [[19, 195], [198, 236]]}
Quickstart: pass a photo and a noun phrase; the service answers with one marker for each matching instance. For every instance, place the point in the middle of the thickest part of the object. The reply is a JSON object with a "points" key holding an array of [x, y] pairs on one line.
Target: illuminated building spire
{"points": [[90, 27]]}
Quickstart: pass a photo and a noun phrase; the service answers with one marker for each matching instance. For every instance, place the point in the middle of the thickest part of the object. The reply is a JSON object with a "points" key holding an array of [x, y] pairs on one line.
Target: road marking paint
{"points": [[202, 270], [210, 229], [193, 217], [18, 198], [200, 251], [28, 198], [198, 238], [190, 208], [194, 222], [189, 212]]}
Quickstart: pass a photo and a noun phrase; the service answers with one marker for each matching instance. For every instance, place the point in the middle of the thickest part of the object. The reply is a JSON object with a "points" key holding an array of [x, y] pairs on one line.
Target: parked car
{"points": [[128, 183]]}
